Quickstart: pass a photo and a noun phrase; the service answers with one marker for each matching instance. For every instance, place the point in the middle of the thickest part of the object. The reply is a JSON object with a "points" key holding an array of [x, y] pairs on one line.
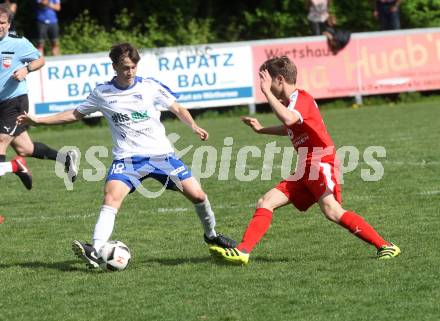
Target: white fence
{"points": [[226, 74]]}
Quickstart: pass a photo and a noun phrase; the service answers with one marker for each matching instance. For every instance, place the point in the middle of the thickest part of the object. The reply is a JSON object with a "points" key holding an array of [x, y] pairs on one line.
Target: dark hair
{"points": [[4, 9], [123, 50], [281, 66]]}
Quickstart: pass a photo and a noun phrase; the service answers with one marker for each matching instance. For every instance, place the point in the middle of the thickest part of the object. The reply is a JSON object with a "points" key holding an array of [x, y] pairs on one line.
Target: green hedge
{"points": [[271, 19]]}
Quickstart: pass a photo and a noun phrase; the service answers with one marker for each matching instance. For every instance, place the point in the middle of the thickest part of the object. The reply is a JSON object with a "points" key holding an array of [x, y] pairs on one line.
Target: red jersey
{"points": [[309, 135]]}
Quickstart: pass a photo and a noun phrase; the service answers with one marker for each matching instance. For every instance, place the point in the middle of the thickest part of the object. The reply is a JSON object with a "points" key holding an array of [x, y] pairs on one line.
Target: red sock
{"points": [[14, 166], [359, 227], [256, 229]]}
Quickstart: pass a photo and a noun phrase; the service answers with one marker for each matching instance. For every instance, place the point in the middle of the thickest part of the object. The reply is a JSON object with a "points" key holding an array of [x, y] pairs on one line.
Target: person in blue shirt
{"points": [[47, 24], [18, 58]]}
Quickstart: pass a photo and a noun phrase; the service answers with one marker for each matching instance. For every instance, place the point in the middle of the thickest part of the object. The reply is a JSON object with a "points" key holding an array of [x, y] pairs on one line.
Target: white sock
{"points": [[5, 167], [104, 226], [207, 217]]}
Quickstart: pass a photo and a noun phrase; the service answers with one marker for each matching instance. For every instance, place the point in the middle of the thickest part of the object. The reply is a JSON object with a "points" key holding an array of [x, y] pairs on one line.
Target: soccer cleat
{"points": [[220, 240], [232, 255], [71, 165], [23, 172], [87, 253], [388, 251]]}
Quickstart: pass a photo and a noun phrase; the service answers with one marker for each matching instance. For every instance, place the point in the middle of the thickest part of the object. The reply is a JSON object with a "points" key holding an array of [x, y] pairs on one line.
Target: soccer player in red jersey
{"points": [[315, 178]]}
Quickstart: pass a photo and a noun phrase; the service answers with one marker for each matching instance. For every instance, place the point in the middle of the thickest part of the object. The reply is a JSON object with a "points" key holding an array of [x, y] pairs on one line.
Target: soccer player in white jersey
{"points": [[141, 149]]}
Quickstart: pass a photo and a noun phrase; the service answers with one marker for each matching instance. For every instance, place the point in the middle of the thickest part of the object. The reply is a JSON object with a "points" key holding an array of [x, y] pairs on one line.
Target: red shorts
{"points": [[306, 190]]}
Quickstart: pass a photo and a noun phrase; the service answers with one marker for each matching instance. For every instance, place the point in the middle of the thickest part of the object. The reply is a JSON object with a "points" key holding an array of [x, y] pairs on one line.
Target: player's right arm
{"points": [[287, 117], [65, 117], [90, 105], [279, 130]]}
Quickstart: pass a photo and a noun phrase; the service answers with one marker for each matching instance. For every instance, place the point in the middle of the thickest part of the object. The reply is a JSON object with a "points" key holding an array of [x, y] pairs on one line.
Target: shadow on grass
{"points": [[269, 259], [256, 260], [178, 261], [65, 266]]}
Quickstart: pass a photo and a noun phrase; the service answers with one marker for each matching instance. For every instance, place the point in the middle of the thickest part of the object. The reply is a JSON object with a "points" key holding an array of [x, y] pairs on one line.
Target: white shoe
{"points": [[71, 165]]}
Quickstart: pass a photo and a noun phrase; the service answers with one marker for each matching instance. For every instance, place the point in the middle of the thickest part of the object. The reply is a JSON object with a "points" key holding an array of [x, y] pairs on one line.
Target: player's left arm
{"points": [[186, 118], [20, 74]]}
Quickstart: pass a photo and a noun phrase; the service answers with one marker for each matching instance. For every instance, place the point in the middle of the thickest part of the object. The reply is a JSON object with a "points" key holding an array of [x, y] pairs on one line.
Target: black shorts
{"points": [[45, 31], [9, 111]]}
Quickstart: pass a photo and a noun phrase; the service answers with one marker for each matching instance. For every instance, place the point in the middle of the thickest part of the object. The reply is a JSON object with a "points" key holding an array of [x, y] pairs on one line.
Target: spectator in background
{"points": [[319, 17], [323, 23], [12, 4], [388, 13], [47, 24]]}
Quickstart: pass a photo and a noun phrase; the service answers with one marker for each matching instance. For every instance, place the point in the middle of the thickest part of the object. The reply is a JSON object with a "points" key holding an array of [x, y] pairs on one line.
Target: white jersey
{"points": [[133, 115]]}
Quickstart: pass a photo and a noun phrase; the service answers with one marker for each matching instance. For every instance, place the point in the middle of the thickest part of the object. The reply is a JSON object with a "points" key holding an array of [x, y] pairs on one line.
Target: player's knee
{"points": [[264, 202], [198, 197], [332, 213], [108, 198], [23, 152], [111, 200]]}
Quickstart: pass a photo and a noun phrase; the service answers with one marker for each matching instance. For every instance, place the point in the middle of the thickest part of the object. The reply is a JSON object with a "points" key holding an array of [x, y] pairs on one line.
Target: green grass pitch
{"points": [[305, 268]]}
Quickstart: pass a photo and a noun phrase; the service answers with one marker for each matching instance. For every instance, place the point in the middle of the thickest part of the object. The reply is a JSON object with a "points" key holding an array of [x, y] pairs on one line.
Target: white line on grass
{"points": [[185, 209], [159, 210], [47, 218], [174, 209], [429, 193]]}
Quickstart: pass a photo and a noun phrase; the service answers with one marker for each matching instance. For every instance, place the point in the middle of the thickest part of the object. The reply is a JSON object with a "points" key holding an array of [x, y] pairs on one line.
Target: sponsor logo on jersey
{"points": [[134, 116], [6, 61], [111, 102], [297, 141], [142, 115], [139, 96], [120, 118]]}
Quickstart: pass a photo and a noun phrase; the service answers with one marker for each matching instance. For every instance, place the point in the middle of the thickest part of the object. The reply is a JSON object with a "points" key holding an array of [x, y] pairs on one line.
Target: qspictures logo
{"points": [[243, 163]]}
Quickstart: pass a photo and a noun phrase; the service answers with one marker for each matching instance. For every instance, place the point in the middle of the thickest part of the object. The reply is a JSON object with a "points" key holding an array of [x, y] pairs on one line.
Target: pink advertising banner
{"points": [[372, 63]]}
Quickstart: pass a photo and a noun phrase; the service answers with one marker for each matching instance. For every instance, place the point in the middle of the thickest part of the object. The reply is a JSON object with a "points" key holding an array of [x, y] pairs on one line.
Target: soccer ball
{"points": [[115, 256]]}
